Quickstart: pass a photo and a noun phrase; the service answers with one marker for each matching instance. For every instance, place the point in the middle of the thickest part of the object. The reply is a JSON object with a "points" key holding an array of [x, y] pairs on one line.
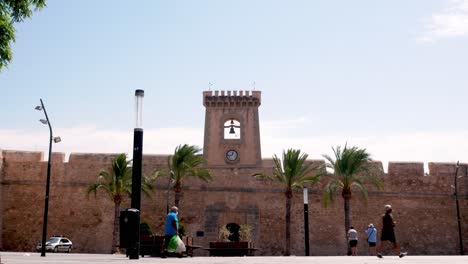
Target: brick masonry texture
{"points": [[424, 206]]}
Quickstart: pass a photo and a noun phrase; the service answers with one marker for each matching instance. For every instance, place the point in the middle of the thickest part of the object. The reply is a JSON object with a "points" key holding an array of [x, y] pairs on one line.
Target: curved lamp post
{"points": [[46, 121]]}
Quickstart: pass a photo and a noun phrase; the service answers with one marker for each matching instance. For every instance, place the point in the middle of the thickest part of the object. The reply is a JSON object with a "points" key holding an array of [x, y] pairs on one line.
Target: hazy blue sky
{"points": [[390, 76]]}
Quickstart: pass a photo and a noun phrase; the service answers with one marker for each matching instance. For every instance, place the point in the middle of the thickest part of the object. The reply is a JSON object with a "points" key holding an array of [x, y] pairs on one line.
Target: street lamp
{"points": [[46, 206], [460, 240], [306, 221], [136, 168]]}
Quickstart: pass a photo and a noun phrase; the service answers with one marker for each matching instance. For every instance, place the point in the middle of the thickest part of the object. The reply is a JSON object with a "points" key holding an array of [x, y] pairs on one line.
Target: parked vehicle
{"points": [[57, 244]]}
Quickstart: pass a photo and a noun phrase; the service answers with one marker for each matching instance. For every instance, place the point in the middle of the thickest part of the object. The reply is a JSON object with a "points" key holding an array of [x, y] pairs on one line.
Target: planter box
{"points": [[231, 248]]}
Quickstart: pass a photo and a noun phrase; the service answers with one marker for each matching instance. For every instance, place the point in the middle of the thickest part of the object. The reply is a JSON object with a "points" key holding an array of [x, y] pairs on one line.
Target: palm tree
{"points": [[352, 168], [184, 163], [117, 183], [293, 171]]}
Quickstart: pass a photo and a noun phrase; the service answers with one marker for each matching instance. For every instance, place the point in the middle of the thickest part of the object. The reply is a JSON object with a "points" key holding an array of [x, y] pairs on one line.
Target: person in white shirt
{"points": [[352, 240]]}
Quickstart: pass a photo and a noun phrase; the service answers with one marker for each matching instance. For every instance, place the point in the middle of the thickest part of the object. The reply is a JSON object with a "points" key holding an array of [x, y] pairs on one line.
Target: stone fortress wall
{"points": [[424, 206]]}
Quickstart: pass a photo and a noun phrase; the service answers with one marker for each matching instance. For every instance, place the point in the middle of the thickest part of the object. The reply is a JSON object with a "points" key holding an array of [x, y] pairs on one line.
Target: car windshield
{"points": [[54, 240]]}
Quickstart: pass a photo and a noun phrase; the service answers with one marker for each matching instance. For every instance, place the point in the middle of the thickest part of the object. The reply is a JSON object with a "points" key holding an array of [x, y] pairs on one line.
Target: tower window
{"points": [[232, 129]]}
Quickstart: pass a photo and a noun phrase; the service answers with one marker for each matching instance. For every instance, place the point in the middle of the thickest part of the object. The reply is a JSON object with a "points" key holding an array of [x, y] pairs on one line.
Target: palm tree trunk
{"points": [[116, 231], [177, 193], [288, 222], [347, 201]]}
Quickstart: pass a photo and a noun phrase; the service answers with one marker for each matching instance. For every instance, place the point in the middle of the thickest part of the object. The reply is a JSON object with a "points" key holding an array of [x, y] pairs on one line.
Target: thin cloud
{"points": [[448, 146], [285, 123], [89, 139], [451, 22], [424, 147]]}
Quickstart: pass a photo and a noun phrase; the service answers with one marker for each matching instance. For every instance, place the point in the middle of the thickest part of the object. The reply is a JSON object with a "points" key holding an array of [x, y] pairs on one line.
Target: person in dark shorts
{"points": [[170, 229], [353, 240], [388, 233]]}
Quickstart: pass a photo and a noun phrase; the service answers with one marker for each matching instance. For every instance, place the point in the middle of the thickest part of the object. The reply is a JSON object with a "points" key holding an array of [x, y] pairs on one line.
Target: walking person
{"points": [[170, 229], [353, 240], [371, 232], [388, 233]]}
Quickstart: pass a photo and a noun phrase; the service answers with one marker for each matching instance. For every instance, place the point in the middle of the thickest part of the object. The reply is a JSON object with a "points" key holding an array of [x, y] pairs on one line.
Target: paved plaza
{"points": [[26, 258]]}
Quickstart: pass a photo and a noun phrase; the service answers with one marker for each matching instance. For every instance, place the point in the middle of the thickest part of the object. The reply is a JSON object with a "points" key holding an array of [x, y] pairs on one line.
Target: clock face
{"points": [[232, 155]]}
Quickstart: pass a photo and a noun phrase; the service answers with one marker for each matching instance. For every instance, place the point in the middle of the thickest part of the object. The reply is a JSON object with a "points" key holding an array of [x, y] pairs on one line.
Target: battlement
{"points": [[406, 169], [395, 169], [401, 176], [232, 98], [16, 156], [12, 156]]}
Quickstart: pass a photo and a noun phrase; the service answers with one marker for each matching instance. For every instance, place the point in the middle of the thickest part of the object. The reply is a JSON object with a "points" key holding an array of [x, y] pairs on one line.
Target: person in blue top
{"points": [[170, 229], [371, 232]]}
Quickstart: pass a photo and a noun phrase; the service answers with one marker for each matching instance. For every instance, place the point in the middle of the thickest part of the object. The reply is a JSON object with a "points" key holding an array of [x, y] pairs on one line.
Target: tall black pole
{"points": [[136, 170], [306, 221], [460, 239], [46, 206]]}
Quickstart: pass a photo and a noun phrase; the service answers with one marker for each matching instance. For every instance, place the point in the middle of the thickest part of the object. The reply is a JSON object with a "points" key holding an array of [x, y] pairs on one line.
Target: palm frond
{"points": [[329, 193], [352, 167], [147, 185], [202, 173], [292, 170], [185, 162], [116, 181]]}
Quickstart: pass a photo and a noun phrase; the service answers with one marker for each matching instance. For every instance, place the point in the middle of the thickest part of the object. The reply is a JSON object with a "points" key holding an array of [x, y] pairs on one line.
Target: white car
{"points": [[57, 244]]}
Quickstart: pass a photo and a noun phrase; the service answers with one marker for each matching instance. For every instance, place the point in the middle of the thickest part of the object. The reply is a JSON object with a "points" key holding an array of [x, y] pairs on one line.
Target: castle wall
{"points": [[1, 200], [424, 207]]}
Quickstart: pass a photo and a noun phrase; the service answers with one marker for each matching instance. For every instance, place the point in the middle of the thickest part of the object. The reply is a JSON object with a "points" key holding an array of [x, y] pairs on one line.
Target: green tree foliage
{"points": [[185, 162], [11, 12], [293, 171], [117, 183], [352, 169]]}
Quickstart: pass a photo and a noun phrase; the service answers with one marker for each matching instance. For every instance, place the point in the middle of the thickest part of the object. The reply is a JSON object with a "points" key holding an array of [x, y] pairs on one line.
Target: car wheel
{"points": [[69, 250], [55, 249]]}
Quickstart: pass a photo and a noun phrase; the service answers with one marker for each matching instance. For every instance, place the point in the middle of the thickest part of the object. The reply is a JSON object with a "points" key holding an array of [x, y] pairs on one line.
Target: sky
{"points": [[388, 76]]}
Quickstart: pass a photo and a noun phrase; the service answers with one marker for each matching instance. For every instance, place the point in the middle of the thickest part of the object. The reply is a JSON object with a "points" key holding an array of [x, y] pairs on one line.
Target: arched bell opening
{"points": [[232, 129]]}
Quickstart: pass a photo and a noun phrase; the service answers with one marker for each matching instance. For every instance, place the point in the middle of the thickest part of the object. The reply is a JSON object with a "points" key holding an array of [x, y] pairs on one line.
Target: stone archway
{"points": [[218, 214], [234, 229]]}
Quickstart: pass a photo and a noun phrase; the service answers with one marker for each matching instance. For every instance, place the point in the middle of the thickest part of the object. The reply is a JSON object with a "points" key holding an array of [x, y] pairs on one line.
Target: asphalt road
{"points": [[26, 258]]}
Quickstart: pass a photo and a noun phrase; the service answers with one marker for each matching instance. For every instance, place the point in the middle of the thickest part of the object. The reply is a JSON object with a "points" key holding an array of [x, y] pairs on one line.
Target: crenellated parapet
{"points": [[1, 166], [445, 168], [160, 160], [405, 169], [232, 98], [403, 177], [16, 156], [86, 158]]}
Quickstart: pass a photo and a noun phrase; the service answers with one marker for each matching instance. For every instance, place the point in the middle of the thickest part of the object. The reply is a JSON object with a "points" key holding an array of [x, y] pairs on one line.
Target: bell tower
{"points": [[232, 130]]}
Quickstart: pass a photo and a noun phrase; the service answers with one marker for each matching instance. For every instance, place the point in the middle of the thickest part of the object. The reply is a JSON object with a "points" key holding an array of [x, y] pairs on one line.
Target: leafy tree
{"points": [[117, 183], [184, 163], [352, 169], [293, 171], [13, 11]]}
